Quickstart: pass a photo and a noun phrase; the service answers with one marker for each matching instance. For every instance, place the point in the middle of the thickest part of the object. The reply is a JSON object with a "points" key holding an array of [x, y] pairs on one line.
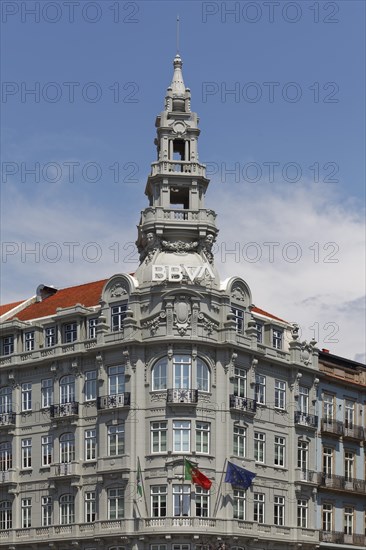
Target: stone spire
{"points": [[177, 86]]}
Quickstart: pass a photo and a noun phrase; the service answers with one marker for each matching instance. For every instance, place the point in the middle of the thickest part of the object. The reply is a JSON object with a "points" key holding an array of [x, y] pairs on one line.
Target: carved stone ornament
{"points": [[208, 325], [180, 247], [153, 324], [306, 352], [205, 246], [237, 293], [295, 331], [182, 314], [150, 244], [118, 290]]}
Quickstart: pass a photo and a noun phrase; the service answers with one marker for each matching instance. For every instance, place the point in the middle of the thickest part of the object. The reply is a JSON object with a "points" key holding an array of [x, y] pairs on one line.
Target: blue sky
{"points": [[309, 55]]}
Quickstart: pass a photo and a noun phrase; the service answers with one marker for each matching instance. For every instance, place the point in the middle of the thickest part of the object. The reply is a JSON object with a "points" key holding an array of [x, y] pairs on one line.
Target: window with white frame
{"points": [[67, 389], [259, 327], [159, 431], [279, 510], [90, 444], [90, 507], [327, 461], [26, 453], [50, 336], [182, 371], [26, 396], [239, 504], [116, 503], [116, 380], [280, 394], [118, 313], [6, 456], [327, 517], [259, 446], [303, 403], [67, 509], [202, 437], [258, 515], [46, 511], [279, 450], [349, 464], [6, 515], [47, 450], [302, 512], [328, 407], [303, 455], [92, 328], [277, 338], [158, 501], [240, 382], [203, 376], [46, 393], [116, 439], [67, 447], [70, 333], [29, 340], [181, 500], [202, 502], [348, 520], [349, 413], [6, 400], [159, 375], [239, 441], [90, 385], [181, 436], [26, 511], [260, 389], [239, 319], [8, 345]]}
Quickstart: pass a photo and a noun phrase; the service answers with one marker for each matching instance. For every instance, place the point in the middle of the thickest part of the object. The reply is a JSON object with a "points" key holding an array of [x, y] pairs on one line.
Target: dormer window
{"points": [[259, 327], [8, 345], [50, 336], [239, 319], [92, 328], [29, 341], [118, 313], [70, 333], [277, 338]]}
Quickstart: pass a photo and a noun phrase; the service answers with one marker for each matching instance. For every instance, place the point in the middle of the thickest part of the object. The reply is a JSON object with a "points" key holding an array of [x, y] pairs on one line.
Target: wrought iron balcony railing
{"points": [[331, 426], [305, 419], [342, 483], [243, 404], [351, 431], [7, 419], [119, 400], [338, 537], [65, 409], [182, 395]]}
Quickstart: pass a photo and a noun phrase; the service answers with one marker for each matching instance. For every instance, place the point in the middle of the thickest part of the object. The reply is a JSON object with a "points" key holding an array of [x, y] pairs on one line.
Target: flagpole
{"points": [[219, 489], [143, 486]]}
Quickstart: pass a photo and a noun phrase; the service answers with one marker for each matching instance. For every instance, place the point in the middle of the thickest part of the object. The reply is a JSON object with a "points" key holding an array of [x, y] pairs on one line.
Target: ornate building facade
{"points": [[106, 387]]}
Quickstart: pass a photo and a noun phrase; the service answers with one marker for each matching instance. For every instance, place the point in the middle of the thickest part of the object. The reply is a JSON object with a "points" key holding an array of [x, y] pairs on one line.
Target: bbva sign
{"points": [[176, 273]]}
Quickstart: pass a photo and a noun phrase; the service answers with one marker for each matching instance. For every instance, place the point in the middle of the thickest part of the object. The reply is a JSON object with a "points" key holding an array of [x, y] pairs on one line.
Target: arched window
{"points": [[67, 389], [5, 400], [203, 376], [67, 447], [67, 509], [159, 375]]}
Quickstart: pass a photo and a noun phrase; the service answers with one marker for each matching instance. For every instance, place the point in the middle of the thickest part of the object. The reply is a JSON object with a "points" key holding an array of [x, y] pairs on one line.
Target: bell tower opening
{"points": [[179, 198], [179, 149]]}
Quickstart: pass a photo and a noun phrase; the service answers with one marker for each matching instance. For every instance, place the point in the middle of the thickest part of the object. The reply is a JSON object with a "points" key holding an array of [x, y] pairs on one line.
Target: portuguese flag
{"points": [[195, 476]]}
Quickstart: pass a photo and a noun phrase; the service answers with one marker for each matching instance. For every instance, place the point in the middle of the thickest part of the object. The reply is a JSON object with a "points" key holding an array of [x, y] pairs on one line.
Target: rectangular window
{"points": [[279, 450], [92, 328], [182, 371], [116, 503], [29, 339], [90, 386], [118, 313], [26, 513], [90, 507], [181, 436], [6, 517], [116, 380], [67, 510], [259, 446], [47, 393], [182, 547], [279, 510], [50, 336], [260, 389], [348, 520], [47, 450], [8, 345], [259, 327], [302, 513], [239, 319], [280, 394], [304, 400], [70, 333], [258, 508], [26, 453], [181, 500], [239, 441], [349, 413], [158, 501], [240, 382], [6, 400], [327, 461], [159, 432], [116, 440], [202, 502], [90, 444], [327, 517], [303, 455], [239, 504], [328, 407], [349, 462], [202, 437], [158, 547], [26, 397], [6, 456], [46, 512], [277, 338]]}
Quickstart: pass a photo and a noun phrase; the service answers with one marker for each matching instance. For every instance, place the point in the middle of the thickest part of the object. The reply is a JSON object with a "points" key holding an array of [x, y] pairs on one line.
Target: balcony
{"points": [[117, 401], [7, 420], [64, 410], [338, 537], [308, 476], [332, 427], [306, 420], [342, 483], [353, 432], [243, 404], [7, 476], [181, 396], [65, 469], [177, 166]]}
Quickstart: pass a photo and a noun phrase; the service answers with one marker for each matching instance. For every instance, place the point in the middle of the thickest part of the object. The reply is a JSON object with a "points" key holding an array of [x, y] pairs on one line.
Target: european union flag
{"points": [[240, 477]]}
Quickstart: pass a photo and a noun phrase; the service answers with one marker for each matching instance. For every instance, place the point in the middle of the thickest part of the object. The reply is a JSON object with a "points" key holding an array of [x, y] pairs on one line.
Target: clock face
{"points": [[179, 128]]}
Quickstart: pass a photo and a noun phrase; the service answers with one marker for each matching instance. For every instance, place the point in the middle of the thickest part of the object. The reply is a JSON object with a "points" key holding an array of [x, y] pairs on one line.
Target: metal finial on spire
{"points": [[178, 23]]}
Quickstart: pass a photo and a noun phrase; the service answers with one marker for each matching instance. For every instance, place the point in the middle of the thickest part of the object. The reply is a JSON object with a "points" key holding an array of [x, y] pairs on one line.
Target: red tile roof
{"points": [[262, 312], [87, 295], [7, 307]]}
